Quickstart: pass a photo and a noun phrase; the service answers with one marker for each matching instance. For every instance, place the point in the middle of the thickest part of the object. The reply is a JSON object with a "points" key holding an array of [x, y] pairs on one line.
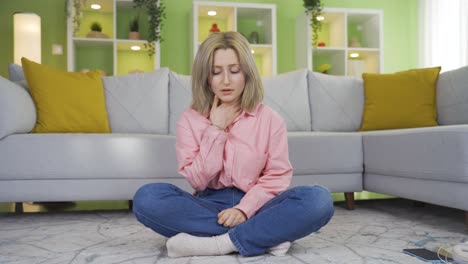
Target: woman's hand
{"points": [[223, 115], [231, 217]]}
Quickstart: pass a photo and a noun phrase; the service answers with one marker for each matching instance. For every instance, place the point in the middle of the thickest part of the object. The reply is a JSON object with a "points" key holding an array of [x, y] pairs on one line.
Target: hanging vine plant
{"points": [[75, 12], [156, 15], [314, 9]]}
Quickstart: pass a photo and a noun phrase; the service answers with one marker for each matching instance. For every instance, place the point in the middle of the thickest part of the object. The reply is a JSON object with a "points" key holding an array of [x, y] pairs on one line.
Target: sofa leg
{"points": [[466, 220], [130, 205], [19, 208], [349, 198]]}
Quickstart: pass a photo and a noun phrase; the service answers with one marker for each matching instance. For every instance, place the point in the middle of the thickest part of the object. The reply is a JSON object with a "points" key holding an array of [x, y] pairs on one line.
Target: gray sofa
{"points": [[322, 114]]}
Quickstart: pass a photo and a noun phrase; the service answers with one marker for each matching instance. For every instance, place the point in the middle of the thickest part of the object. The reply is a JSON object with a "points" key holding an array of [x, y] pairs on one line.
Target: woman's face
{"points": [[227, 79]]}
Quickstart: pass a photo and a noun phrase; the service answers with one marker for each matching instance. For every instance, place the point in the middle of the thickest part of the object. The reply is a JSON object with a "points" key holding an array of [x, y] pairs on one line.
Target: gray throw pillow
{"points": [[138, 103], [15, 72]]}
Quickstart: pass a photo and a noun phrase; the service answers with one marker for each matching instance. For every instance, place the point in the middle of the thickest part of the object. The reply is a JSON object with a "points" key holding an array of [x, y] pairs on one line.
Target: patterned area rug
{"points": [[375, 232]]}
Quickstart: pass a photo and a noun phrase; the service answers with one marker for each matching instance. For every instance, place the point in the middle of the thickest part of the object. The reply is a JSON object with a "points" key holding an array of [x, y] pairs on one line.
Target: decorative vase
{"points": [[254, 38], [133, 35], [96, 34]]}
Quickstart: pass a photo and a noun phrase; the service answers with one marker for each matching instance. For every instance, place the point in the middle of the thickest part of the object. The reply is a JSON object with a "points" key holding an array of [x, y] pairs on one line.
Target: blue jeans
{"points": [[293, 214]]}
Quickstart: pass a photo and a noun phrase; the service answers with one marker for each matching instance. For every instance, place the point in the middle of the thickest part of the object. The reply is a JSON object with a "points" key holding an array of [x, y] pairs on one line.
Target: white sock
{"points": [[280, 250], [185, 245]]}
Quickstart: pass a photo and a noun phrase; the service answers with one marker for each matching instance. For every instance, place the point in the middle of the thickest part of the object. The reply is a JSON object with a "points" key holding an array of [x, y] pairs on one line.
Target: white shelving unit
{"points": [[345, 33], [113, 51], [247, 18]]}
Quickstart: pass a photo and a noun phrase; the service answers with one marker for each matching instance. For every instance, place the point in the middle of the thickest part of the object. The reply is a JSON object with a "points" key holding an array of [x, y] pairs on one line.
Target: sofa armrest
{"points": [[17, 110]]}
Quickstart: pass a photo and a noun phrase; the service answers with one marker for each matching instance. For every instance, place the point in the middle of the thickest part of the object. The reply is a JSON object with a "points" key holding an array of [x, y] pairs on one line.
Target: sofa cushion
{"points": [[435, 153], [452, 97], [15, 72], [287, 94], [180, 97], [325, 152], [87, 156], [66, 102], [138, 103], [400, 100], [337, 102], [17, 111]]}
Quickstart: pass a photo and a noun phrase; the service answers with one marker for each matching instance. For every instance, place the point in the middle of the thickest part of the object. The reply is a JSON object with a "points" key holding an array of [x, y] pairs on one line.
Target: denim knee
{"points": [[145, 196], [317, 202]]}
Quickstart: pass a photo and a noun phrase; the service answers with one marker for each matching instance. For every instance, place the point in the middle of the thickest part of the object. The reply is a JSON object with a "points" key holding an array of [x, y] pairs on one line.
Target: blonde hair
{"points": [[202, 71]]}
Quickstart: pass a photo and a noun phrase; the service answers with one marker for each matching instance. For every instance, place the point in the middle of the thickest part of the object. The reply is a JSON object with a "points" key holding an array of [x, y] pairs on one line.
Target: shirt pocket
{"points": [[251, 165]]}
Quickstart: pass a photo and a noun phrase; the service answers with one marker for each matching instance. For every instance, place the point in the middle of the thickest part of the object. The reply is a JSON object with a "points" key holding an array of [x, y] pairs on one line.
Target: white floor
{"points": [[375, 232]]}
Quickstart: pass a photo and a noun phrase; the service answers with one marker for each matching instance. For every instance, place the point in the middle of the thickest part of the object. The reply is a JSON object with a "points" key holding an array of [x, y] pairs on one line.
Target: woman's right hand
{"points": [[223, 115]]}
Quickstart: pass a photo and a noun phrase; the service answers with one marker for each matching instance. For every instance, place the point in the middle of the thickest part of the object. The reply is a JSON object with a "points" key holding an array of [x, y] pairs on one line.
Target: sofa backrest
{"points": [[452, 97], [285, 93], [180, 97]]}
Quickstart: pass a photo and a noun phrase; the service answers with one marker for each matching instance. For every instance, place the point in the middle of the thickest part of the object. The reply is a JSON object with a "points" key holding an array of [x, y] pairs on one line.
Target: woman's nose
{"points": [[227, 78]]}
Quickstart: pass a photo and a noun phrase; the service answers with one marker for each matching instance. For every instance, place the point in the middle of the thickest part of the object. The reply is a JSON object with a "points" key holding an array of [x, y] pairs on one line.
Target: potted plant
{"points": [[96, 27], [96, 31], [156, 15], [134, 28], [314, 9]]}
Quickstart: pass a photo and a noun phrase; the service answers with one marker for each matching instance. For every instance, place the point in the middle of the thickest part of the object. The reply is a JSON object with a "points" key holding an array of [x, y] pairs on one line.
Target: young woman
{"points": [[233, 151]]}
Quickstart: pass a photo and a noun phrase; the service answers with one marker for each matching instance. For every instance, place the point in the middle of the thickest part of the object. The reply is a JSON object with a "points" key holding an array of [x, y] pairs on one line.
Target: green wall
{"points": [[400, 31]]}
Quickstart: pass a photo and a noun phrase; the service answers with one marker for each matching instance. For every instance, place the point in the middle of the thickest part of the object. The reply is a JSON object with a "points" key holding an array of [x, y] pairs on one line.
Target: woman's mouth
{"points": [[227, 91]]}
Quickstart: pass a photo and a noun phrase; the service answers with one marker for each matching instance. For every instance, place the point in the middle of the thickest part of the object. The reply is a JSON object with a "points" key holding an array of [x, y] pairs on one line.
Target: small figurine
{"points": [[214, 28]]}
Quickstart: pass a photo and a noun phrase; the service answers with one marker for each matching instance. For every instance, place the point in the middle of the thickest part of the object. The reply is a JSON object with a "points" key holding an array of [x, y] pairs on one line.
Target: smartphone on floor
{"points": [[426, 255]]}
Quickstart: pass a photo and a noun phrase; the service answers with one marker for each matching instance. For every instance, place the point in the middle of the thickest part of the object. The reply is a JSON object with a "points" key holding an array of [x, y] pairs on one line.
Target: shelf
{"points": [[103, 16], [255, 25], [257, 22], [112, 54], [332, 31], [334, 57], [125, 14], [344, 31], [93, 42], [224, 19], [368, 61], [92, 58], [364, 28]]}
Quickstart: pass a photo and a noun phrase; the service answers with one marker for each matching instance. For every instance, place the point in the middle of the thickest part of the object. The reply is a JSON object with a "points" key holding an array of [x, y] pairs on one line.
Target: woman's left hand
{"points": [[231, 217]]}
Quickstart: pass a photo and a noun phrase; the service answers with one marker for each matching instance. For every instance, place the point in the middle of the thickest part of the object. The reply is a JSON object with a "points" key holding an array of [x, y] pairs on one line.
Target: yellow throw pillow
{"points": [[66, 101], [400, 100]]}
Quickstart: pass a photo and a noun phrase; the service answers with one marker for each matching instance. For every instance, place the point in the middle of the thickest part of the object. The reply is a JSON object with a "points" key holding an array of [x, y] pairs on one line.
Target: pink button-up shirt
{"points": [[252, 156]]}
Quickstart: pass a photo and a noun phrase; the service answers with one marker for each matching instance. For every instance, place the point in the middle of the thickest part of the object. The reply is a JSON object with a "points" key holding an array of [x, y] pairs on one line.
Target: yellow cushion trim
{"points": [[66, 101], [400, 100]]}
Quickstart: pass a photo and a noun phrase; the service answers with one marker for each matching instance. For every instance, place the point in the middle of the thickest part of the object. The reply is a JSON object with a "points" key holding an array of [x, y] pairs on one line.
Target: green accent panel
{"points": [[94, 58], [105, 19], [125, 15], [53, 25], [400, 31], [205, 25], [128, 61]]}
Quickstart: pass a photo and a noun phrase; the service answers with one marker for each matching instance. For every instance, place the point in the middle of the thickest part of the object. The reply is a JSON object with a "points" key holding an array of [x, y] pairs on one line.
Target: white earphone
{"points": [[460, 253]]}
